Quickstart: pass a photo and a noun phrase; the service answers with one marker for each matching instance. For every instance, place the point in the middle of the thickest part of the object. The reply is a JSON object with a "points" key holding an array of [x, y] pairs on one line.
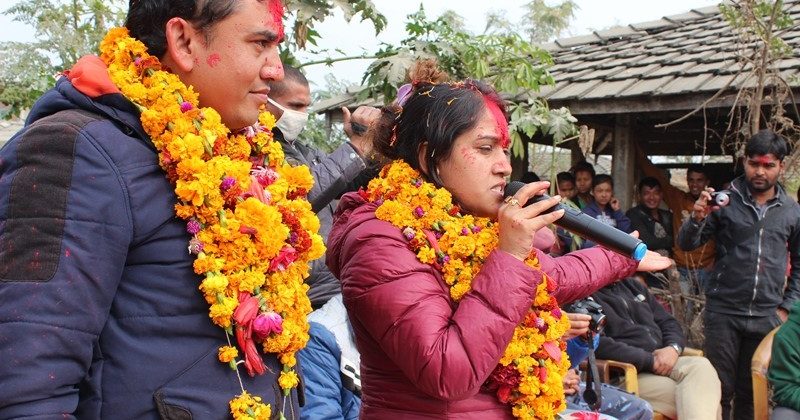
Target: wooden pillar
{"points": [[520, 164], [624, 159]]}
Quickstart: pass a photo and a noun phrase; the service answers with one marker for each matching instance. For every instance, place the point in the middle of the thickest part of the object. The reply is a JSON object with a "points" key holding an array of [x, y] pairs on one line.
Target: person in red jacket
{"points": [[427, 349]]}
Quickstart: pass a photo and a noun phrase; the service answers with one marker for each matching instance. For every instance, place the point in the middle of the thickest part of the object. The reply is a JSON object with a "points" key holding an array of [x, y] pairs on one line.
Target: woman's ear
{"points": [[182, 42], [422, 158]]}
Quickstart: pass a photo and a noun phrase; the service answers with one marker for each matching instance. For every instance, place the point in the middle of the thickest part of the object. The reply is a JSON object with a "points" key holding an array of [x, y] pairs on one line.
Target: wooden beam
{"points": [[623, 161]]}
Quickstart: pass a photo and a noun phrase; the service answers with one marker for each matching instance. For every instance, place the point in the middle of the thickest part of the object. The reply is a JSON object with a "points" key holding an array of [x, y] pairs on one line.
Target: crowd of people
{"points": [[173, 162]]}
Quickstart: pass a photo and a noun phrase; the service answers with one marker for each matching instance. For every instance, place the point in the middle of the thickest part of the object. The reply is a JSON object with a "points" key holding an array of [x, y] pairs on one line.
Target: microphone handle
{"points": [[592, 229]]}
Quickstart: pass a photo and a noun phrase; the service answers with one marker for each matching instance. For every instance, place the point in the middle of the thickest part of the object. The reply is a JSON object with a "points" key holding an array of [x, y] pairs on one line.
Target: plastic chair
{"points": [[610, 369], [759, 366]]}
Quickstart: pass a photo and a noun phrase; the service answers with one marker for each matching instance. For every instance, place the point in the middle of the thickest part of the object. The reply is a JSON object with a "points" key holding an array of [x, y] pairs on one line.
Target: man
{"points": [[639, 331], [784, 368], [653, 223], [694, 266], [101, 316], [748, 293], [334, 173]]}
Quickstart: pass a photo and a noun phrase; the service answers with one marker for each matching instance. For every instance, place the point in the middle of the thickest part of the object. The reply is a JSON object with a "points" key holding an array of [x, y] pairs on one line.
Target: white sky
{"points": [[357, 37]]}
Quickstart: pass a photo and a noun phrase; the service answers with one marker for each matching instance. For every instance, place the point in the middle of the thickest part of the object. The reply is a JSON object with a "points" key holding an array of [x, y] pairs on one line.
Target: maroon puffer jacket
{"points": [[423, 356]]}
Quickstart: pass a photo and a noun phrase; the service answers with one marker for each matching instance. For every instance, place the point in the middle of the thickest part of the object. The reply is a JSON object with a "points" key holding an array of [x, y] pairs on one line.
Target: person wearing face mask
{"points": [[334, 173]]}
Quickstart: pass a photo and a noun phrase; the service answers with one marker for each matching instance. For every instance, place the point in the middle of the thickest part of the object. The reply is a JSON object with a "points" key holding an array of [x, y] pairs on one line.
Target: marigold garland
{"points": [[252, 229], [529, 375]]}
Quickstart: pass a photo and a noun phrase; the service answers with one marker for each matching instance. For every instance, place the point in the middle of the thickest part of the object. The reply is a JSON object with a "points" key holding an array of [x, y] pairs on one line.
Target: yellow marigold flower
{"points": [[288, 380], [267, 120], [221, 313], [247, 407], [297, 176], [213, 285], [227, 353]]}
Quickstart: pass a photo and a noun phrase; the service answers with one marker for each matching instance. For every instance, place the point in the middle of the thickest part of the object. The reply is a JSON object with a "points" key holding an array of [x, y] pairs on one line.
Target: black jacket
{"points": [[750, 267], [642, 221], [636, 324], [334, 174]]}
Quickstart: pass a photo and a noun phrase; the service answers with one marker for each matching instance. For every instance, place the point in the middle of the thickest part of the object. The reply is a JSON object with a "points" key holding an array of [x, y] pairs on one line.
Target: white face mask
{"points": [[291, 123]]}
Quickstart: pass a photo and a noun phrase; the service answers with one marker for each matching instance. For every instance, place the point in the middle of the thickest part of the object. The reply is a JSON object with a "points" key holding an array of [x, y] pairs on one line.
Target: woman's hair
{"points": [[602, 179], [436, 113]]}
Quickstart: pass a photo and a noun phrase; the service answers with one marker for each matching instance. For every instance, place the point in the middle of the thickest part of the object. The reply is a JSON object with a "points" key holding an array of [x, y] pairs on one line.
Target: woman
{"points": [[438, 272]]}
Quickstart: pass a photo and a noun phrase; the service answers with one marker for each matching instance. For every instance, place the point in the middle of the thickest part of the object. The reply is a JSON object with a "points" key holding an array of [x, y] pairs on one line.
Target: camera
{"points": [[720, 198], [589, 307]]}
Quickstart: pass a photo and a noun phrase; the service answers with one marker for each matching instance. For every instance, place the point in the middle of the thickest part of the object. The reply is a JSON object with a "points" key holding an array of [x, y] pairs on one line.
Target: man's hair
{"points": [[583, 166], [765, 142], [602, 179], [698, 169], [290, 75], [648, 182], [529, 177], [147, 19], [565, 177]]}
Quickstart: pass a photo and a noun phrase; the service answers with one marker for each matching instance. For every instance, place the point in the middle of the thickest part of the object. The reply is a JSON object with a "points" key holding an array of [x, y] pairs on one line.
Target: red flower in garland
{"points": [[243, 316]]}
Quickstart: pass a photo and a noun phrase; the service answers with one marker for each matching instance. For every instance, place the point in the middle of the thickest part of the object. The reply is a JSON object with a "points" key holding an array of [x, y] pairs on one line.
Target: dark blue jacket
{"points": [[100, 316]]}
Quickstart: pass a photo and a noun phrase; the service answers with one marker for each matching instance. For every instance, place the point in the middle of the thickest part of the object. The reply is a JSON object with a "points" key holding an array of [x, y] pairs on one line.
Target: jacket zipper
{"points": [[758, 255]]}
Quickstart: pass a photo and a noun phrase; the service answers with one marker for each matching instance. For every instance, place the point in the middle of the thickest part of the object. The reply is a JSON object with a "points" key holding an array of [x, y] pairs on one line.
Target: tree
{"points": [[763, 93], [65, 30], [513, 65]]}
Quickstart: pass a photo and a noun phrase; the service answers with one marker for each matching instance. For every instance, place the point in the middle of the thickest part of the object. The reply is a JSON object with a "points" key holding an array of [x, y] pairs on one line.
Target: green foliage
{"points": [[757, 22], [65, 31], [510, 63], [304, 14]]}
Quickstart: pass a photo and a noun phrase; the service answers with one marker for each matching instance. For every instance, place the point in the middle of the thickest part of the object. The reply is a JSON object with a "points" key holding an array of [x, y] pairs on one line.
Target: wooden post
{"points": [[521, 164], [624, 159]]}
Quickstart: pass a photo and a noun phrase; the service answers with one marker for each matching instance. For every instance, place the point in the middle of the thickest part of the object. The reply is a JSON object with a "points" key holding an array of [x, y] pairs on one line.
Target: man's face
{"points": [[232, 70], [650, 197], [697, 183], [762, 172], [294, 95]]}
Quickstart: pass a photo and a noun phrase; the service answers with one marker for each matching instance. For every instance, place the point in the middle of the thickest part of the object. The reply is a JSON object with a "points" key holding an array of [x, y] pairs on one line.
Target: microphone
{"points": [[588, 227]]}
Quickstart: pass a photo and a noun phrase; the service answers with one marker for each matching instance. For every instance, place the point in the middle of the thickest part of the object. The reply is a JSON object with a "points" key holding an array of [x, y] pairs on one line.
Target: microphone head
{"points": [[512, 188]]}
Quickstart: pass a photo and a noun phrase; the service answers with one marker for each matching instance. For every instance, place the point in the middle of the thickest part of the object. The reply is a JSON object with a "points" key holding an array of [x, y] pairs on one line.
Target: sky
{"points": [[359, 37]]}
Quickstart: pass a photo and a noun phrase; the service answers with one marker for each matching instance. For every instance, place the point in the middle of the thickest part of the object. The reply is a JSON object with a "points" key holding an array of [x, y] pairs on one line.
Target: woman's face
{"points": [[476, 170]]}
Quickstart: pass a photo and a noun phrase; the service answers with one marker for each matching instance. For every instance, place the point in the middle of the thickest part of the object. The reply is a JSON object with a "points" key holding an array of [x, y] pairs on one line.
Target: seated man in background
{"points": [[639, 331], [784, 368], [653, 223]]}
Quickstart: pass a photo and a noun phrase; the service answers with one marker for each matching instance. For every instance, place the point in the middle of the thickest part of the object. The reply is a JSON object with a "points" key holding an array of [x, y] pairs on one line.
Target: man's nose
{"points": [[272, 69]]}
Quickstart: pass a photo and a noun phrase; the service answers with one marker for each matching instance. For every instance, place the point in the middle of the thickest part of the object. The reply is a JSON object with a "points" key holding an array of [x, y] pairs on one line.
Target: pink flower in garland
{"points": [[266, 324]]}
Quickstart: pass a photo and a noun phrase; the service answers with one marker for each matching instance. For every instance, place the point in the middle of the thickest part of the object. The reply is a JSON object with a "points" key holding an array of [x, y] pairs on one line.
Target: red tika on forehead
{"points": [[763, 159], [276, 11], [500, 119]]}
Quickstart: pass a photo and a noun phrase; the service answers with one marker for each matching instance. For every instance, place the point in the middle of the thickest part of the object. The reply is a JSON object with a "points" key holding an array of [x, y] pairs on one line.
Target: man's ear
{"points": [[422, 157], [182, 42]]}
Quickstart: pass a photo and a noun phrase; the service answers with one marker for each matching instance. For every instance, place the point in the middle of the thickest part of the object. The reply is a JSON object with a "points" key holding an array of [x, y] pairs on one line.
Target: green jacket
{"points": [[784, 370]]}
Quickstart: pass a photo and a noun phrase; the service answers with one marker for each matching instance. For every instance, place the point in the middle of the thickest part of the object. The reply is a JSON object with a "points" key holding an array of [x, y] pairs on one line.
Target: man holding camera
{"points": [[748, 293], [639, 331]]}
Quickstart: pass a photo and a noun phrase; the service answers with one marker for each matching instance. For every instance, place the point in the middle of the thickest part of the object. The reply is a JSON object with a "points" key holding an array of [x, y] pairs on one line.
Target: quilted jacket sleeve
{"points": [[64, 234], [580, 273], [325, 396], [447, 351], [333, 174]]}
